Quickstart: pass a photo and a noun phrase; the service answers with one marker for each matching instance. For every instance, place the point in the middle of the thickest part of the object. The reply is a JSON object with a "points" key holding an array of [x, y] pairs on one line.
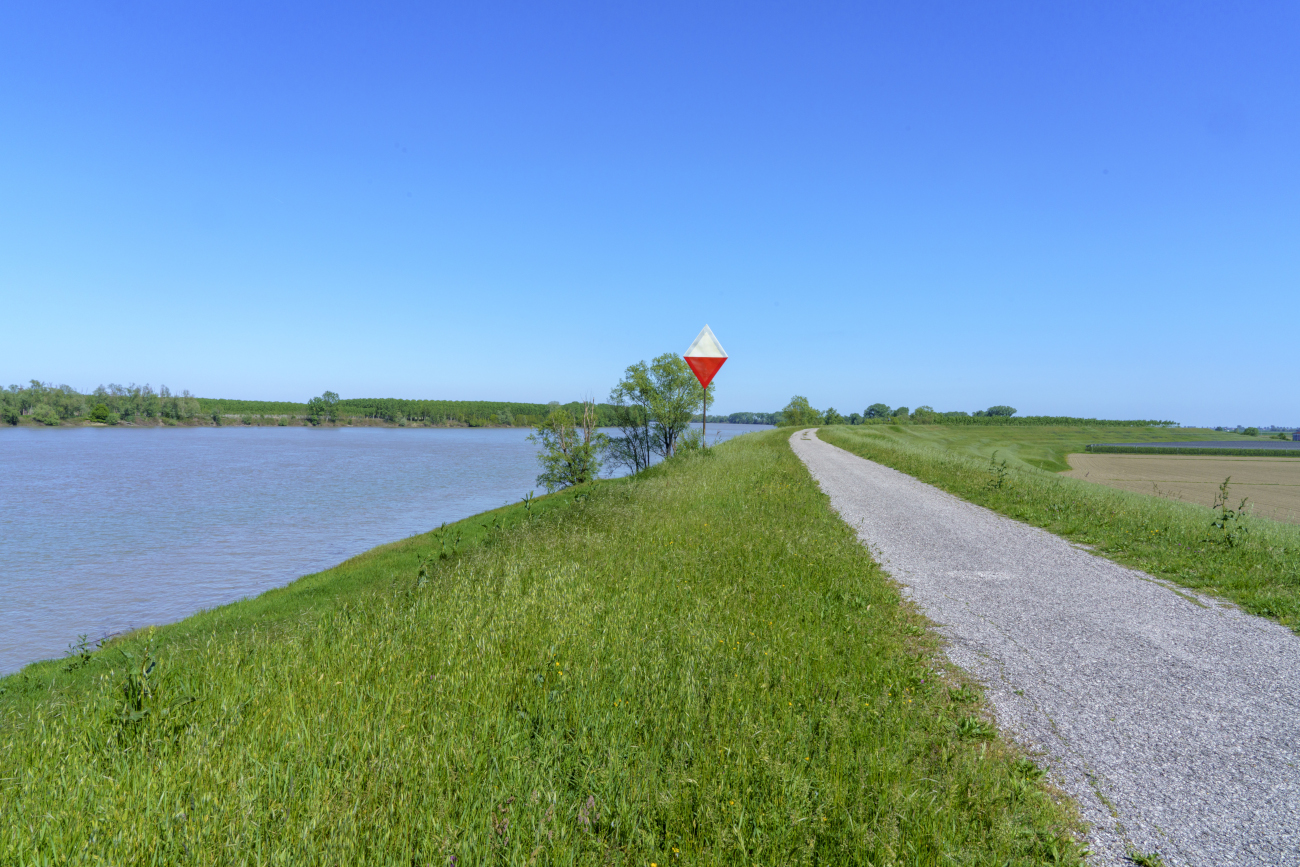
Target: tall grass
{"points": [[700, 664], [1252, 561]]}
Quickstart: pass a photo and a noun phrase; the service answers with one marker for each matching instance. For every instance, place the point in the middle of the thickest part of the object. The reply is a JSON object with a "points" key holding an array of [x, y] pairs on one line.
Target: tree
{"points": [[1004, 411], [674, 394], [833, 417], [901, 412], [799, 413], [878, 410], [854, 418], [570, 450], [325, 407], [633, 400]]}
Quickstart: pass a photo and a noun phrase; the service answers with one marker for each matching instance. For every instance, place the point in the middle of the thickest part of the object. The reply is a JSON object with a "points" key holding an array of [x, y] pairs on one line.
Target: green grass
{"points": [[1041, 447], [1186, 450], [699, 665], [1259, 569]]}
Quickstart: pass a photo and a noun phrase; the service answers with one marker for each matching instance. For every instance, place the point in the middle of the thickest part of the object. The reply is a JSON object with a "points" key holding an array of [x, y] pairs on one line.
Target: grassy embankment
{"points": [[697, 665], [1251, 561]]}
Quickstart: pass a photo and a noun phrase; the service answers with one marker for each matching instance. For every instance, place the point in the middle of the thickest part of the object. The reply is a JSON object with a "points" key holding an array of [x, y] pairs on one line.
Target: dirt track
{"points": [[1272, 484]]}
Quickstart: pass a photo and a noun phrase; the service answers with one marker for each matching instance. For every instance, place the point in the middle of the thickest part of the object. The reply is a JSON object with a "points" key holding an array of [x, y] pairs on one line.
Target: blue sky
{"points": [[1074, 208]]}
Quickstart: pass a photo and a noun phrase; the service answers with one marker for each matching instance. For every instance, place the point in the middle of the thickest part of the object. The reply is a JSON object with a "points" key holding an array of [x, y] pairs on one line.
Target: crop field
{"points": [[1271, 483], [1251, 560], [1043, 447]]}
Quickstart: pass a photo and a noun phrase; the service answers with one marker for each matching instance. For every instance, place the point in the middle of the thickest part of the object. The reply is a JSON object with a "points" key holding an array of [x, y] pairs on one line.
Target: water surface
{"points": [[107, 529]]}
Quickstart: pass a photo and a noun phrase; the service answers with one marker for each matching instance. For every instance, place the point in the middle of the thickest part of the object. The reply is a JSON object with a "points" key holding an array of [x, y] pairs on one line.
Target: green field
{"points": [[1041, 447], [700, 664], [1254, 562]]}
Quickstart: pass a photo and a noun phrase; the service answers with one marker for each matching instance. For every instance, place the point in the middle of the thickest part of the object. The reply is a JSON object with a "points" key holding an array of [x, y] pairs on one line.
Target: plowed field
{"points": [[1272, 484]]}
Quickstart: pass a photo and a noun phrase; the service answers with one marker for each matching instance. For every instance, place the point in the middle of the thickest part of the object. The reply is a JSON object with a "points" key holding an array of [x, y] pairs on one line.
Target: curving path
{"points": [[1173, 719]]}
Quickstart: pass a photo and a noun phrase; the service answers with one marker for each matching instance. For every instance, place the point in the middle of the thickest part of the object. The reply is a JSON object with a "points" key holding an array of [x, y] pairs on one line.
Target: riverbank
{"points": [[697, 664]]}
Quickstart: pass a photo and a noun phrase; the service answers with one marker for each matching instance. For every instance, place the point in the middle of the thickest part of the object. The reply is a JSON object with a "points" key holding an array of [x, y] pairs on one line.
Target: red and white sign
{"points": [[705, 356]]}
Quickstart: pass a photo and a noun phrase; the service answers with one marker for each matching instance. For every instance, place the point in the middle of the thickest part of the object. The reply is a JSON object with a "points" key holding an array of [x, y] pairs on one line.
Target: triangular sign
{"points": [[705, 356]]}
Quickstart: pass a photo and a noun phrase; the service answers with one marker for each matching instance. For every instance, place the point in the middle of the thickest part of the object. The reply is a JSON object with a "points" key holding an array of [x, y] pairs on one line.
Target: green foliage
{"points": [[901, 413], [633, 404], [570, 450], [100, 413], [832, 417], [878, 410], [674, 393], [700, 665], [323, 408], [1227, 521], [799, 413], [45, 414], [1259, 569], [997, 412], [1251, 432]]}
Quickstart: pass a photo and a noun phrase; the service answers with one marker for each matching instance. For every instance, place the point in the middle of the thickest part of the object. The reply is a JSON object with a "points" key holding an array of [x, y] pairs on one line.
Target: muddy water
{"points": [[107, 529]]}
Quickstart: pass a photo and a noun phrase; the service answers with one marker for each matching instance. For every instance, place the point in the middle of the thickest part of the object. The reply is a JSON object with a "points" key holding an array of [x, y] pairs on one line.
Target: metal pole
{"points": [[705, 417]]}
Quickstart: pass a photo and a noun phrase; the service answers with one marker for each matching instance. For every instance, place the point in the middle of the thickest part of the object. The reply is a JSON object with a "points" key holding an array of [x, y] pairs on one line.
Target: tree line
{"points": [[801, 413], [52, 404]]}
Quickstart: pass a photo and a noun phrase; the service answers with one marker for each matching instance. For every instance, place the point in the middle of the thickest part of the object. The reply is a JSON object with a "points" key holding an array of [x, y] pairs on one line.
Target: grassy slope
{"points": [[698, 665], [1258, 569]]}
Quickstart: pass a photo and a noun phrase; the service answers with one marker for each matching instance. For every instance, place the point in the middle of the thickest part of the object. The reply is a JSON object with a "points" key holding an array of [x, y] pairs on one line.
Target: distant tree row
{"points": [[52, 404], [799, 412]]}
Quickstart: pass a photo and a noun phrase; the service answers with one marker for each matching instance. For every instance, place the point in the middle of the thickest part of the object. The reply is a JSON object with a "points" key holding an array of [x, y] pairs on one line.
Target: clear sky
{"points": [[1080, 208]]}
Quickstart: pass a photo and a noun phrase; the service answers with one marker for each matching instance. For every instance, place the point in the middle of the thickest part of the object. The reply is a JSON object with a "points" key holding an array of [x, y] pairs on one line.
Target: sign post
{"points": [[705, 357]]}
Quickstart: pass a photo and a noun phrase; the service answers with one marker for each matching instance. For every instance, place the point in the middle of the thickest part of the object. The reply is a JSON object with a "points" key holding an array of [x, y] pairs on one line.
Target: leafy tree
{"points": [[901, 412], [878, 410], [854, 418], [799, 413], [674, 394], [633, 403], [833, 417], [1251, 432], [323, 408], [1006, 411], [101, 412], [570, 449]]}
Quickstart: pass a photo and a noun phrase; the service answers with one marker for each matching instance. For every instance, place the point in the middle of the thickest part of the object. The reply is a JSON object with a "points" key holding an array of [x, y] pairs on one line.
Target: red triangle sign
{"points": [[706, 356]]}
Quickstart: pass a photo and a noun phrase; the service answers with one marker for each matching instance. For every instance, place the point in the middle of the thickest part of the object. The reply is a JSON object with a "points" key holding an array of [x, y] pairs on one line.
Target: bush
{"points": [[100, 413], [1251, 431], [45, 414]]}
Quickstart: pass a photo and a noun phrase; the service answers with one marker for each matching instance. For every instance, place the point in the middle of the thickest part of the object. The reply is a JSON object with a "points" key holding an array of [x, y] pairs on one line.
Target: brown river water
{"points": [[108, 529]]}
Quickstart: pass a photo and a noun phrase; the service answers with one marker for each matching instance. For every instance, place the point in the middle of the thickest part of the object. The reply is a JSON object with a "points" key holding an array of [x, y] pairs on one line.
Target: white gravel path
{"points": [[1173, 718]]}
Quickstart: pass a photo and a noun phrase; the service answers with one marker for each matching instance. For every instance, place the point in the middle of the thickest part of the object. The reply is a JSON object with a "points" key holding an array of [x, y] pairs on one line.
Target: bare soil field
{"points": [[1272, 484]]}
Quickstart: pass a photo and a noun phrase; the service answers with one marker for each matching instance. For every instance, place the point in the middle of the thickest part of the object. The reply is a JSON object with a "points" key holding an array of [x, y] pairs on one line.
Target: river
{"points": [[108, 529]]}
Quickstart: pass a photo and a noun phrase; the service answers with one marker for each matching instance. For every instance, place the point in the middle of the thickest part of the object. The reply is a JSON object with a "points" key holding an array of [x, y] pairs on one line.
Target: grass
{"points": [[1041, 447], [1187, 450], [1254, 562], [697, 665]]}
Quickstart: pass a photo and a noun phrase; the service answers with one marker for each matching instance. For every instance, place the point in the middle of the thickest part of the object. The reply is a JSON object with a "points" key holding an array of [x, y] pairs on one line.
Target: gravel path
{"points": [[1173, 719]]}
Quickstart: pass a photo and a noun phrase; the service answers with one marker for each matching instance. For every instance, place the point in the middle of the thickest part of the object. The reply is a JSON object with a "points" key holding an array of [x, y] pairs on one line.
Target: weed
{"points": [[974, 728], [1228, 520], [998, 473], [1145, 859]]}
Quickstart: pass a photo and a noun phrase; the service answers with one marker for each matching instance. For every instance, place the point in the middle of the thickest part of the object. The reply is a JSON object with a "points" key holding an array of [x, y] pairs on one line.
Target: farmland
{"points": [[1271, 483], [1250, 560]]}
